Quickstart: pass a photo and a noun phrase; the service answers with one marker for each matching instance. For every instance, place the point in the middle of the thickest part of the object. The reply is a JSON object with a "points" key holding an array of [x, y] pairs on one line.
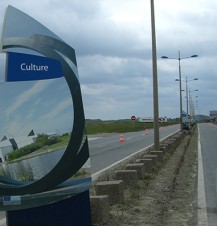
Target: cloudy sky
{"points": [[112, 40]]}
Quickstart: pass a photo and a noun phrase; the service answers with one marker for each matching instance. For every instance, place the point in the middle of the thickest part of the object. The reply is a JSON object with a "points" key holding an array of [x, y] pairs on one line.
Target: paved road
{"points": [[107, 150], [207, 175]]}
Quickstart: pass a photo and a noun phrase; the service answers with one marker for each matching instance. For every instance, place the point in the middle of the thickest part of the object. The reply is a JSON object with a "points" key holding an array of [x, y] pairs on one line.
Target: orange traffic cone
{"points": [[146, 132], [121, 138]]}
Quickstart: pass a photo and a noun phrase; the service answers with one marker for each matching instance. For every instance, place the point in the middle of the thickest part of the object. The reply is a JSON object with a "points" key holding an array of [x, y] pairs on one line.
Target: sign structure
{"points": [[133, 117], [35, 53]]}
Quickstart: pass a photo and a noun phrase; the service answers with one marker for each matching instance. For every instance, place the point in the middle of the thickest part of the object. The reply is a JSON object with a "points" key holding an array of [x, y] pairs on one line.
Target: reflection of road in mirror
{"points": [[32, 168]]}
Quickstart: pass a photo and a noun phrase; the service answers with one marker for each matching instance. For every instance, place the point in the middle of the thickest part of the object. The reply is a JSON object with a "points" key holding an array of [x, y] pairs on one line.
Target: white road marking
{"points": [[202, 213], [93, 138], [100, 146]]}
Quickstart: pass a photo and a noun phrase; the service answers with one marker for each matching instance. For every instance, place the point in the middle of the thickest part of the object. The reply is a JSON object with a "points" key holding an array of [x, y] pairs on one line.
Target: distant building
{"points": [[7, 145], [213, 115], [5, 148], [52, 135]]}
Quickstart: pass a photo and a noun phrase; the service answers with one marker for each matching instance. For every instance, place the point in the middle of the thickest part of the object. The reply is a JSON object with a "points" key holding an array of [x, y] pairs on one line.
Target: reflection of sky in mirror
{"points": [[2, 67], [27, 25], [44, 106]]}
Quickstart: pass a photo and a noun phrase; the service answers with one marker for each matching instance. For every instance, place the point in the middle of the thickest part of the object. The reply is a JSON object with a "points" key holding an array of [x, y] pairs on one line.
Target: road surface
{"points": [[107, 149], [207, 174]]}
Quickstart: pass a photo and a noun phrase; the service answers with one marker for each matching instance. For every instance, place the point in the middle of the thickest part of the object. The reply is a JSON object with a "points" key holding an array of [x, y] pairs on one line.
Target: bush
{"points": [[41, 141]]}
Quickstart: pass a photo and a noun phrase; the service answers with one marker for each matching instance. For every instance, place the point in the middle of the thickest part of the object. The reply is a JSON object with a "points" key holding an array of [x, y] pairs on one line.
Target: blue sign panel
{"points": [[26, 67]]}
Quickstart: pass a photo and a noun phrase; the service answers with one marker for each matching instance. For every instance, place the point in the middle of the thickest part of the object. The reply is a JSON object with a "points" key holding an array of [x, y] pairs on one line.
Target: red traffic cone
{"points": [[146, 132], [121, 138]]}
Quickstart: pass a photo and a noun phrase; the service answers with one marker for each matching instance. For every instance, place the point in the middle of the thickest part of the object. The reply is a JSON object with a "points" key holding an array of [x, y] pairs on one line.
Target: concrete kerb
{"points": [[114, 190], [154, 159], [147, 164], [139, 167], [129, 177], [99, 209], [159, 155]]}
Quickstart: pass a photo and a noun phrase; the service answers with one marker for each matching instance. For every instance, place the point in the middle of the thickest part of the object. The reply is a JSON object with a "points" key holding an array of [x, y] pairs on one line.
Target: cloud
{"points": [[26, 96], [40, 105], [57, 110]]}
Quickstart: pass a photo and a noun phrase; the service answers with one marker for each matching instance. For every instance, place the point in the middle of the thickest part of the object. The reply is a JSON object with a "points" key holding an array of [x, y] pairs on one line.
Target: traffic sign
{"points": [[133, 118]]}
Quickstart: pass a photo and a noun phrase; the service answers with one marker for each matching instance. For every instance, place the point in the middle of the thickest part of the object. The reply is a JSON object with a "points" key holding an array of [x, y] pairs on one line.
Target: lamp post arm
{"points": [[170, 58], [183, 58]]}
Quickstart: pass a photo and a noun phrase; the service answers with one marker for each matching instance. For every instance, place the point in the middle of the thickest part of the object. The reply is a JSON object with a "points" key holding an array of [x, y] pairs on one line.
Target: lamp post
{"points": [[155, 81], [180, 81], [195, 79], [197, 105], [191, 106], [187, 99]]}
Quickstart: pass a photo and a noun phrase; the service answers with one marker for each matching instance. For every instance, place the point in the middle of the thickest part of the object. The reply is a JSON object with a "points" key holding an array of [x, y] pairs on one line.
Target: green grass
{"points": [[64, 142], [45, 149], [118, 126]]}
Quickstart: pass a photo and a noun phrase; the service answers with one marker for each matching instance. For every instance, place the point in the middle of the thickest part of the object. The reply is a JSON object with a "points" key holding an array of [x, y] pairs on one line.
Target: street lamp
{"points": [[187, 99], [197, 104], [180, 81], [195, 79], [191, 105]]}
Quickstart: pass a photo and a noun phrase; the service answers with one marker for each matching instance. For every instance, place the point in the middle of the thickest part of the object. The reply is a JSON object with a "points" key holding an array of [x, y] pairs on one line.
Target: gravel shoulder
{"points": [[167, 196]]}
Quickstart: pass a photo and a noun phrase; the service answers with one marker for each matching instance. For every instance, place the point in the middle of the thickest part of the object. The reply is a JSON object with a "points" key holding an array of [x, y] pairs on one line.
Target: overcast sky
{"points": [[112, 40]]}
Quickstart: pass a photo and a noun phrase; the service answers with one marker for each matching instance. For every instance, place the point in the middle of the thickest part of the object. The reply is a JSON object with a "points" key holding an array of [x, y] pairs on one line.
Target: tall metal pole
{"points": [[187, 96], [190, 103], [155, 81], [180, 92]]}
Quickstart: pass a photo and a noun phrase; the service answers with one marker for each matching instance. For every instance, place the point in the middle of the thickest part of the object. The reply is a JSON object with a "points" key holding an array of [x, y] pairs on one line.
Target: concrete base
{"points": [[114, 190], [159, 155], [99, 209], [139, 167], [153, 157], [72, 211], [147, 164], [129, 177]]}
